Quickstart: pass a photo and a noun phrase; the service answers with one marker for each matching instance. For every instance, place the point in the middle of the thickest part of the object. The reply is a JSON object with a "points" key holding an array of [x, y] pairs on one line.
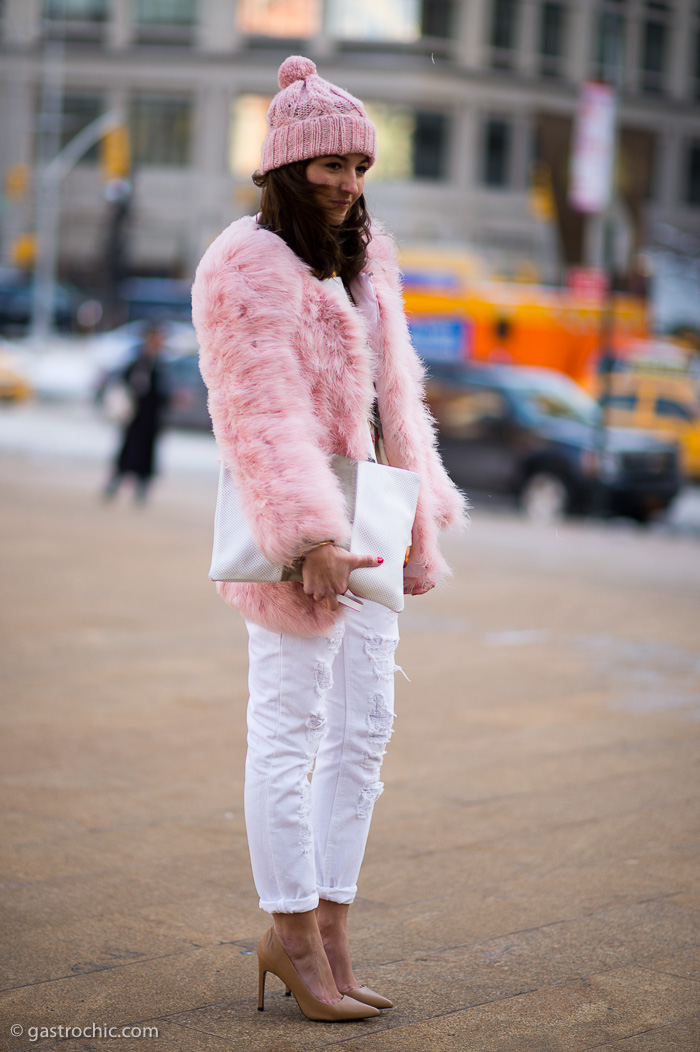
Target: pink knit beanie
{"points": [[310, 117]]}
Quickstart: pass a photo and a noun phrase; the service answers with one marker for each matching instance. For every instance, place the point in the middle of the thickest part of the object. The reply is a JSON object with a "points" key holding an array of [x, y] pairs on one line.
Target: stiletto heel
{"points": [[272, 957], [261, 988]]}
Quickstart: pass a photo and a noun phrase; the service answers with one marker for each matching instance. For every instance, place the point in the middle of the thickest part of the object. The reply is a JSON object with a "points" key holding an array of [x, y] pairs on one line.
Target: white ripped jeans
{"points": [[327, 706]]}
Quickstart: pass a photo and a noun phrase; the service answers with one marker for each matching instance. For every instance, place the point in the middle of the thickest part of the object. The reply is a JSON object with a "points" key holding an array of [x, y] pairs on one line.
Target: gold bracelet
{"points": [[306, 551]]}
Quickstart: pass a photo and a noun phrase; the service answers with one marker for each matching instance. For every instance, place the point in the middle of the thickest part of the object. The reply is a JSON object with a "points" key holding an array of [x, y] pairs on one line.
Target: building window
{"points": [[414, 144], [75, 20], [503, 38], [291, 19], [692, 184], [552, 29], [653, 56], [246, 133], [76, 10], [165, 21], [395, 21], [78, 112], [430, 146], [497, 151], [395, 131], [161, 131], [166, 12], [503, 25], [609, 47], [437, 19]]}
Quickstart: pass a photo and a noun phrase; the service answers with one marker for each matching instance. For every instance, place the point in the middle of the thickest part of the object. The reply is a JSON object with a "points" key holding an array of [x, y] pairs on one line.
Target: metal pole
{"points": [[606, 364], [48, 189]]}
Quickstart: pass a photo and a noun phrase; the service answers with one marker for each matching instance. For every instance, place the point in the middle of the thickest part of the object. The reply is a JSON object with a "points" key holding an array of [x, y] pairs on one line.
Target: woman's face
{"points": [[338, 183]]}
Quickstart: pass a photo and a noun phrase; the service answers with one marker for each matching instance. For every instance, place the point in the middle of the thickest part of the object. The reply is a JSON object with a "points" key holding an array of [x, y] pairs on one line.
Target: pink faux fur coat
{"points": [[289, 375]]}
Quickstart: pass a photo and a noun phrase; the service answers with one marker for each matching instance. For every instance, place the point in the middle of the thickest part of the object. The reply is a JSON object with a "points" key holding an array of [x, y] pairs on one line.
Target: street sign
{"points": [[592, 156]]}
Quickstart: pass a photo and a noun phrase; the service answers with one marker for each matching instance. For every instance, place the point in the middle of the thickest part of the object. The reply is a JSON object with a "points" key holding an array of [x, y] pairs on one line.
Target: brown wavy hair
{"points": [[289, 208]]}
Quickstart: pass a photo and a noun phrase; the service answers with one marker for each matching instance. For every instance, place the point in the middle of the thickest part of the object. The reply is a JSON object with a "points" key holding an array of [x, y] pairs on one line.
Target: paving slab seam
{"points": [[505, 798], [649, 967], [499, 1000], [540, 830], [530, 879], [389, 1028], [225, 1041], [642, 963], [327, 1044], [187, 1028], [526, 931], [70, 877], [105, 968], [171, 1017], [641, 1033]]}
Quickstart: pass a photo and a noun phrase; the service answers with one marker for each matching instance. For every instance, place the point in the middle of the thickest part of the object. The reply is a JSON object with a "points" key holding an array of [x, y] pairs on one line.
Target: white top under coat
{"points": [[365, 301]]}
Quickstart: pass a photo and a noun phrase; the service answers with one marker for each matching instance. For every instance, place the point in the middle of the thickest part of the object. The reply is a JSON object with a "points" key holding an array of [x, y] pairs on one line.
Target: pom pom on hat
{"points": [[309, 117], [296, 67]]}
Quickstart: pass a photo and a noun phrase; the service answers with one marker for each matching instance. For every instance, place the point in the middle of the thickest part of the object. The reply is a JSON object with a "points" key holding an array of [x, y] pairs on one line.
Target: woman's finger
{"points": [[359, 561]]}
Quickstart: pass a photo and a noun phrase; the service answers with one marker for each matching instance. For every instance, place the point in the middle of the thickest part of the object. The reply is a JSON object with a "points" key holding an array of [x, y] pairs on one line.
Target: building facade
{"points": [[466, 94]]}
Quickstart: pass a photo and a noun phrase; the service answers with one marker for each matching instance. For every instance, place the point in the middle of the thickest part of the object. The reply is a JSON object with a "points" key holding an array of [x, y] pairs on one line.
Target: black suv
{"points": [[535, 434]]}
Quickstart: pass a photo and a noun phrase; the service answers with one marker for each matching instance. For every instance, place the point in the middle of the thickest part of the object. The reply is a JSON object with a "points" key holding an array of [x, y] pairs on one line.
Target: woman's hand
{"points": [[326, 572], [416, 586]]}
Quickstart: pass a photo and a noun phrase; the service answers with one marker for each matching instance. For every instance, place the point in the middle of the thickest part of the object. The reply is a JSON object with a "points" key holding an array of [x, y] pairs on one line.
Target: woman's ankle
{"points": [[332, 918], [303, 944], [338, 953]]}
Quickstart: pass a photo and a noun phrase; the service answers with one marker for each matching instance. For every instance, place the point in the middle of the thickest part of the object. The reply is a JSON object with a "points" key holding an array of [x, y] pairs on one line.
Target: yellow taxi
{"points": [[664, 402], [14, 385]]}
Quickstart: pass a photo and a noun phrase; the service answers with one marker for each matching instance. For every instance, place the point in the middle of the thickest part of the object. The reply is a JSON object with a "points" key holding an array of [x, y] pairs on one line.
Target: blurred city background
{"points": [[539, 165]]}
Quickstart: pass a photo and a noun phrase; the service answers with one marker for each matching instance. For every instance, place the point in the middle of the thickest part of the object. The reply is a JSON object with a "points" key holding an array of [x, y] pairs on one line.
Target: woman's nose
{"points": [[350, 183]]}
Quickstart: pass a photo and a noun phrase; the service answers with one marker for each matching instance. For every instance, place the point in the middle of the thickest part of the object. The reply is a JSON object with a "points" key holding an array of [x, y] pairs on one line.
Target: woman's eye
{"points": [[362, 170]]}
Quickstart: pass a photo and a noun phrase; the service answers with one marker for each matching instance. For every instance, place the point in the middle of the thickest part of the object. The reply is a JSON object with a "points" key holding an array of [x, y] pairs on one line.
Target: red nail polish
{"points": [[380, 559]]}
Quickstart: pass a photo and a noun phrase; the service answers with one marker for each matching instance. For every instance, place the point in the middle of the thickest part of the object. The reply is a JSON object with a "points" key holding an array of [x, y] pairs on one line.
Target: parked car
{"points": [[17, 300], [189, 404], [116, 348], [189, 395], [155, 298], [664, 403], [536, 435]]}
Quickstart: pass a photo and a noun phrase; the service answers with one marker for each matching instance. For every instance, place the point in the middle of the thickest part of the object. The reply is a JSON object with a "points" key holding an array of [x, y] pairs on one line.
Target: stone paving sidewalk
{"points": [[531, 882]]}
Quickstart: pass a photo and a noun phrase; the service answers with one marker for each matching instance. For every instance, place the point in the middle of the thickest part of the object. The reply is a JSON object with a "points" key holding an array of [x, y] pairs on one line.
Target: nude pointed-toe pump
{"points": [[369, 997], [272, 957]]}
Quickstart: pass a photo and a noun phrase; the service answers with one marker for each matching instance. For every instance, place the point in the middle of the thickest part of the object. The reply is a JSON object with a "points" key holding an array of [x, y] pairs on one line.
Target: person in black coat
{"points": [[146, 382]]}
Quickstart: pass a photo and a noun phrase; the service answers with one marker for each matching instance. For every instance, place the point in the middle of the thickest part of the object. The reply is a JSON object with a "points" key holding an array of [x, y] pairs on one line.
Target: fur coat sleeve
{"points": [[245, 306], [291, 381]]}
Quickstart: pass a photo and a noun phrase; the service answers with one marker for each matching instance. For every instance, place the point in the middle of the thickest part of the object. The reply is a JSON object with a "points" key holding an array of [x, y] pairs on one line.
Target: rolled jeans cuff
{"points": [[345, 896], [290, 905]]}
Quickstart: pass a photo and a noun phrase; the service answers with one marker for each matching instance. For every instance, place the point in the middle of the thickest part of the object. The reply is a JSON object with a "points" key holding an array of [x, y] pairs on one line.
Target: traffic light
{"points": [[542, 203], [17, 180], [23, 251], [115, 154]]}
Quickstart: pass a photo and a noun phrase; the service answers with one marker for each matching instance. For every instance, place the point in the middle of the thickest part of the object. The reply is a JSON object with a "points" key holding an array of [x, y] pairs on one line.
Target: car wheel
{"points": [[545, 497]]}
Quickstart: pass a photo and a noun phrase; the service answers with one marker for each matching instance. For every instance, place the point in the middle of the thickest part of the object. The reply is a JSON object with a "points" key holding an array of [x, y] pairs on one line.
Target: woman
{"points": [[306, 353], [147, 384]]}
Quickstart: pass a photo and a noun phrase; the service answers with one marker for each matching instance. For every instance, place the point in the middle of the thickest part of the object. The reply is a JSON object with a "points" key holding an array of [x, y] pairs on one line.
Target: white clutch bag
{"points": [[381, 501]]}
